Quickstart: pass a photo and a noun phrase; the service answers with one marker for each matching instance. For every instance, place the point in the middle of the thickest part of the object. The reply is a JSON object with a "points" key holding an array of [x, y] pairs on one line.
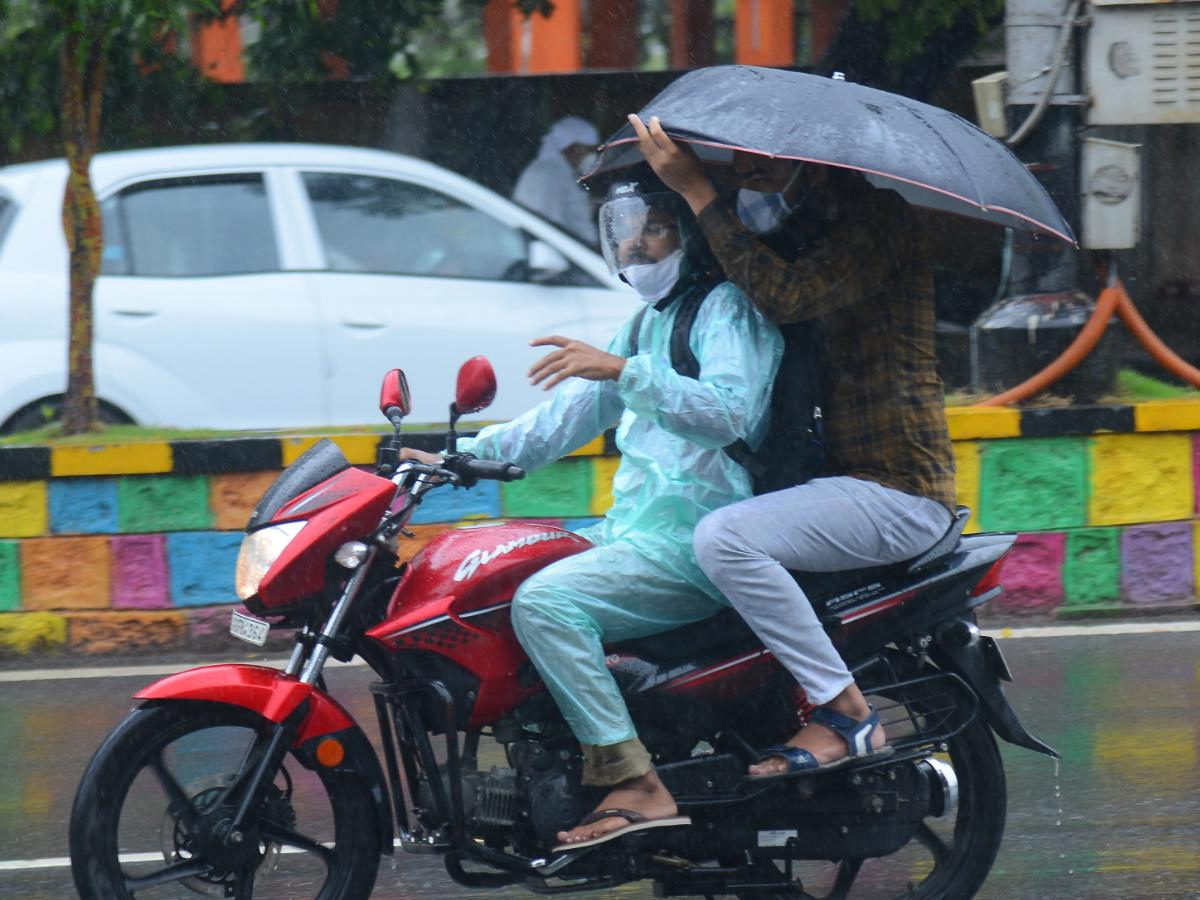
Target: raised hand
{"points": [[573, 359], [674, 163]]}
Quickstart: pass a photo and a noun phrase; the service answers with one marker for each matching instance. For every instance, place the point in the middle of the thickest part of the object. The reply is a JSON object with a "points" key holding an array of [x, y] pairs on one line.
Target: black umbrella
{"points": [[928, 155]]}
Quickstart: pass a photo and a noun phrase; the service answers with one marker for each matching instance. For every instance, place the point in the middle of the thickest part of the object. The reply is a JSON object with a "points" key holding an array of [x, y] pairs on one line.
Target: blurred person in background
{"points": [[549, 185]]}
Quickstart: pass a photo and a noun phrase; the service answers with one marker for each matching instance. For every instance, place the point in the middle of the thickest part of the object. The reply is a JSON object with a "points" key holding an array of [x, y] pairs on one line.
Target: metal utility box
{"points": [[1143, 62], [989, 103], [1112, 196]]}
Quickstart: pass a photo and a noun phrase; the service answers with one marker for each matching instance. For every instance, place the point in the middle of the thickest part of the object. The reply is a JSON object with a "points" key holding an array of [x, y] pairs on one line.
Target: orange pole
{"points": [[765, 32], [551, 43], [217, 49]]}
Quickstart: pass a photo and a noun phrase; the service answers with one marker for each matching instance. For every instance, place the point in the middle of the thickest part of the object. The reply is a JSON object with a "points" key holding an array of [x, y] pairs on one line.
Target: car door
{"points": [[194, 309], [415, 277]]}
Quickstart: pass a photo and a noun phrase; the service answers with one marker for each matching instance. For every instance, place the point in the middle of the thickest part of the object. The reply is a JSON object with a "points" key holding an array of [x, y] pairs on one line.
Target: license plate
{"points": [[248, 628]]}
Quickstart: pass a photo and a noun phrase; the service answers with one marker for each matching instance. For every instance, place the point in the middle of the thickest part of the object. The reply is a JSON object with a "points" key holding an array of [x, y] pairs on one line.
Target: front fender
{"points": [[275, 697], [268, 692]]}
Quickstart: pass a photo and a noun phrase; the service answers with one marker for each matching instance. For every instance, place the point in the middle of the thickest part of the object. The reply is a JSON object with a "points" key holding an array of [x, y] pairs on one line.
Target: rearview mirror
{"points": [[394, 398], [476, 388], [545, 262]]}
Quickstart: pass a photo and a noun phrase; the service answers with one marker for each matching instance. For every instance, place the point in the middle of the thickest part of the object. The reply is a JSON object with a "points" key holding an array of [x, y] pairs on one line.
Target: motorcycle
{"points": [[246, 781]]}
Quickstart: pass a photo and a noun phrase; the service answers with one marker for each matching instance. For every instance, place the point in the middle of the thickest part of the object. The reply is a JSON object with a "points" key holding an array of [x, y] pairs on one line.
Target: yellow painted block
{"points": [[603, 470], [968, 422], [23, 632], [1196, 573], [966, 479], [23, 509], [143, 458], [1167, 415], [360, 449], [1140, 478], [591, 448]]}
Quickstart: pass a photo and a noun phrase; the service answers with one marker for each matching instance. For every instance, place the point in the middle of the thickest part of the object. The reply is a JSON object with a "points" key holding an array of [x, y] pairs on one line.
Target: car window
{"points": [[190, 227], [8, 212], [370, 224]]}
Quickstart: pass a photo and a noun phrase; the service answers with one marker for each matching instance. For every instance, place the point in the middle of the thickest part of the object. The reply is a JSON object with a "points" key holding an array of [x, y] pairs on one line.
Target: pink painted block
{"points": [[139, 572], [1157, 563], [1032, 574], [212, 621]]}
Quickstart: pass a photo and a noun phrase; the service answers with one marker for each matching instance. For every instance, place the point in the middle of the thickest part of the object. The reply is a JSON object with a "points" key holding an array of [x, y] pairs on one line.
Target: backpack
{"points": [[793, 448]]}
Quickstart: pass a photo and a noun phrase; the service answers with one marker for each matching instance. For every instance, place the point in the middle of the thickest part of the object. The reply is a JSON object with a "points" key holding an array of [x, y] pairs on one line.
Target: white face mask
{"points": [[653, 281], [765, 212]]}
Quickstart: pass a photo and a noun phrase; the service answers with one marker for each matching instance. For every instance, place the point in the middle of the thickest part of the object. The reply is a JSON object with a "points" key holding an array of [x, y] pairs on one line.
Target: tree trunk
{"points": [[83, 73]]}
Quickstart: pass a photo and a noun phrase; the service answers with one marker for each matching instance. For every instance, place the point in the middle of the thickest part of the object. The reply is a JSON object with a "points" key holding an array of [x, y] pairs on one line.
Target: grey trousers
{"points": [[826, 525]]}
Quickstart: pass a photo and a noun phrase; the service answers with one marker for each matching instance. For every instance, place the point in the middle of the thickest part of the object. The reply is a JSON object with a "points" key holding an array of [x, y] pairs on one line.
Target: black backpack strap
{"points": [[684, 361], [635, 330]]}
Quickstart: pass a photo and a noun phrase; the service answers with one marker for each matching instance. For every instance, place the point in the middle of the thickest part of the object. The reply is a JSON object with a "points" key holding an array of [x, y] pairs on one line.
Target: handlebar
{"points": [[487, 469], [465, 469]]}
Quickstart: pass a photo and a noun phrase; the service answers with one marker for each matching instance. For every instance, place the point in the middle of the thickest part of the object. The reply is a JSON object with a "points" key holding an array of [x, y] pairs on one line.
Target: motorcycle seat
{"points": [[820, 586], [728, 631]]}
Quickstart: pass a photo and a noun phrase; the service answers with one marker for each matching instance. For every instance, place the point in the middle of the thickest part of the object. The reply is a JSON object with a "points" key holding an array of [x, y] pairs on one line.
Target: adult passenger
{"points": [[811, 243], [641, 577]]}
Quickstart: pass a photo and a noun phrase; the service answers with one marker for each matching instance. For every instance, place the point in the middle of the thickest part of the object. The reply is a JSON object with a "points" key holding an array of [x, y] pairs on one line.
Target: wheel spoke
{"points": [[847, 872], [245, 884], [178, 803], [185, 869], [289, 838], [934, 843]]}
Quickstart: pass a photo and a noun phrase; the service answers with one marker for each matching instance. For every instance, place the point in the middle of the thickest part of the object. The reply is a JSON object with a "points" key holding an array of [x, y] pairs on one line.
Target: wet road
{"points": [[1120, 820]]}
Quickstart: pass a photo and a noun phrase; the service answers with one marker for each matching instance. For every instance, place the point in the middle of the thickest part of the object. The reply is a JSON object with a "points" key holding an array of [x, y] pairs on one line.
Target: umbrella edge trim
{"points": [[838, 165]]}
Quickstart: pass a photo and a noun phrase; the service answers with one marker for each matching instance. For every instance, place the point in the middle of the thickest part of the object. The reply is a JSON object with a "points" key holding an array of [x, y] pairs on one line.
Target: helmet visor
{"points": [[639, 230]]}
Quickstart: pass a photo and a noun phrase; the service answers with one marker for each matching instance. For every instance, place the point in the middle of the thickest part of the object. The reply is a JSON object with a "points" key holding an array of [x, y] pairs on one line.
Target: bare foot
{"points": [[646, 795]]}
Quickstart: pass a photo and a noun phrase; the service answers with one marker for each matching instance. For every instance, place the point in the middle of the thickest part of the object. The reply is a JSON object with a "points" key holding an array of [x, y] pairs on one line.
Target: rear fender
{"points": [[976, 659], [276, 697]]}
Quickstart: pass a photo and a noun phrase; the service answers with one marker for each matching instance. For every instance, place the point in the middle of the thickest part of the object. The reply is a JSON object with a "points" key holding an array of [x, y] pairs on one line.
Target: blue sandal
{"points": [[856, 733]]}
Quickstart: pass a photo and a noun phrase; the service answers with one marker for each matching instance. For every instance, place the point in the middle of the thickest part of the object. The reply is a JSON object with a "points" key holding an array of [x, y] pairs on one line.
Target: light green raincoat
{"points": [[642, 576]]}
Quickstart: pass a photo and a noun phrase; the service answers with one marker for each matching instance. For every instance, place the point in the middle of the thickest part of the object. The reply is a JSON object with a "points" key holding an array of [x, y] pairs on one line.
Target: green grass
{"points": [[1143, 387], [51, 435]]}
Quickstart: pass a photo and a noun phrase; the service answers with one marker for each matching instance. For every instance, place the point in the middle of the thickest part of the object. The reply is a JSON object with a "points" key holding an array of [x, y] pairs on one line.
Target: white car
{"points": [[269, 285]]}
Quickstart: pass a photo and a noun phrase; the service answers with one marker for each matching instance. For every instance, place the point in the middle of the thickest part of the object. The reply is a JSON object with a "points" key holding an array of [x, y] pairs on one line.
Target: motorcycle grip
{"points": [[492, 470]]}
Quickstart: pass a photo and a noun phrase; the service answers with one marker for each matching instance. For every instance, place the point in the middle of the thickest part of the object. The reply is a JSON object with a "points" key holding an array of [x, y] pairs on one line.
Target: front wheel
{"points": [[154, 807]]}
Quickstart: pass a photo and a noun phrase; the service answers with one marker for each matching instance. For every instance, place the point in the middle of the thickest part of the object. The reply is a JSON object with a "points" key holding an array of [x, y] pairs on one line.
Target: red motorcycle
{"points": [[245, 781]]}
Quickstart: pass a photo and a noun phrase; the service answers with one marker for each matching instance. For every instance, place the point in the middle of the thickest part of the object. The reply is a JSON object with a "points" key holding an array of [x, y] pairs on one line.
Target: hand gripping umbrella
{"points": [[929, 156]]}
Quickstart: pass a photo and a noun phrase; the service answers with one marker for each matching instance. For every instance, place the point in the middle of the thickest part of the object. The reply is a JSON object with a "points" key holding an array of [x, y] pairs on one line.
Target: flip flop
{"points": [[637, 822]]}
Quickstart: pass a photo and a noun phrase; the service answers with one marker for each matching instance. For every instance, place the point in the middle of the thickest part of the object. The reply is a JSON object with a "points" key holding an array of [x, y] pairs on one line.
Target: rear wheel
{"points": [[950, 856], [151, 817]]}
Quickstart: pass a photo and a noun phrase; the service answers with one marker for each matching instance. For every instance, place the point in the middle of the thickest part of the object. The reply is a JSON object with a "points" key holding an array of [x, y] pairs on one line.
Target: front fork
{"points": [[307, 662]]}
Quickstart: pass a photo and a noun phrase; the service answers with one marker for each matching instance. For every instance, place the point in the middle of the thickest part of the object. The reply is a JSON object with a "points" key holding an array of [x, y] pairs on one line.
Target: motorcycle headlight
{"points": [[259, 552]]}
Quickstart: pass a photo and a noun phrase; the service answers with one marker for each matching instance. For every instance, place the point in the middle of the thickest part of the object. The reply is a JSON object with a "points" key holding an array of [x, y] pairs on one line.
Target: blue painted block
{"points": [[201, 565], [456, 504], [83, 505], [578, 525]]}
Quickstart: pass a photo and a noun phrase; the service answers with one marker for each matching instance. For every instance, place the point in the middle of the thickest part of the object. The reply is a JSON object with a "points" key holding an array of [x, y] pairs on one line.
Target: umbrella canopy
{"points": [[928, 155]]}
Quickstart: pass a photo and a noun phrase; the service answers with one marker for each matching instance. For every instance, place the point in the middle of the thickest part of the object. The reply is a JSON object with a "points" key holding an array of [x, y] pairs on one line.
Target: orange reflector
{"points": [[330, 752]]}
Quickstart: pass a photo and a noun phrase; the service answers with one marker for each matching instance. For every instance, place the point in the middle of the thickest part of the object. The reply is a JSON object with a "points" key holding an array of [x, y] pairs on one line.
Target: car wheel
{"points": [[49, 409]]}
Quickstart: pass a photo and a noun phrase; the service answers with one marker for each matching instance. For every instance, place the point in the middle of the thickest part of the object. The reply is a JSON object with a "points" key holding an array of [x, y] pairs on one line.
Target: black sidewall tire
{"points": [[982, 812], [96, 812]]}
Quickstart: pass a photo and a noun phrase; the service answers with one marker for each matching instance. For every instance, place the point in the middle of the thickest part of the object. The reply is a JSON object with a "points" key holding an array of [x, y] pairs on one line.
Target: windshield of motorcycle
{"points": [[318, 463]]}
